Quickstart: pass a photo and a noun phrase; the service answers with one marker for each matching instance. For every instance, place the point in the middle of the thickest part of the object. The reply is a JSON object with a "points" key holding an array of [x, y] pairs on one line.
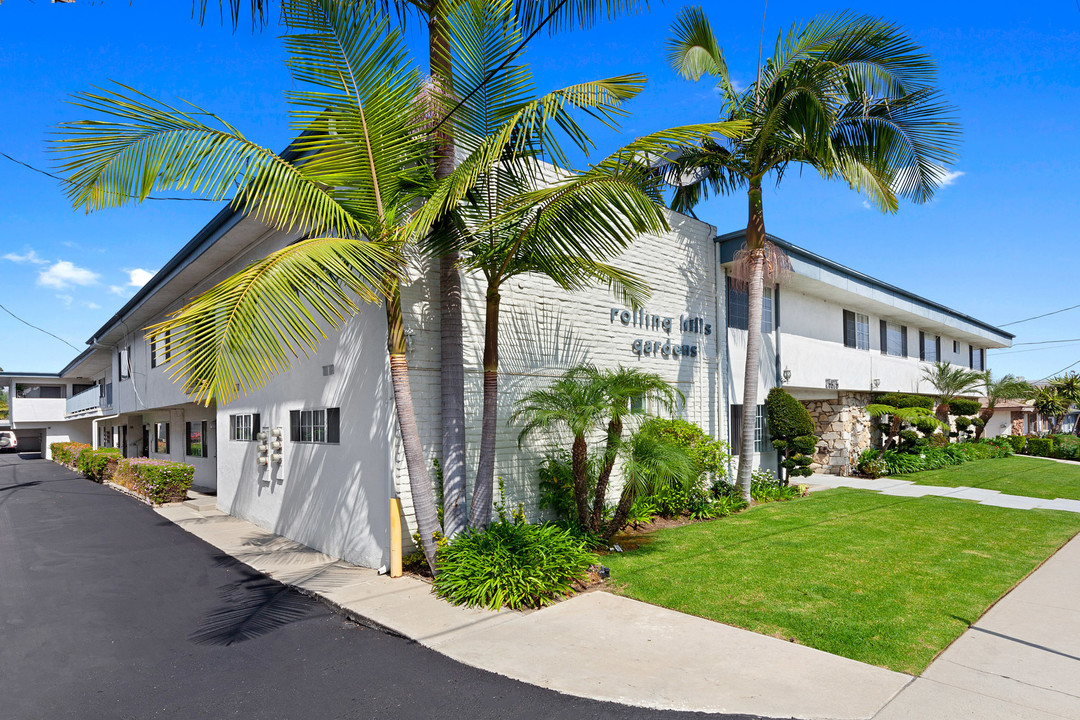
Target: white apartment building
{"points": [[832, 337]]}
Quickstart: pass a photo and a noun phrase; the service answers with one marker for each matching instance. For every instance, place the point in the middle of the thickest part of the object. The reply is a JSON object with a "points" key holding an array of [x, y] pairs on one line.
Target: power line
{"points": [[1059, 371], [40, 329], [131, 197], [1037, 349], [510, 56], [1055, 312], [1047, 342]]}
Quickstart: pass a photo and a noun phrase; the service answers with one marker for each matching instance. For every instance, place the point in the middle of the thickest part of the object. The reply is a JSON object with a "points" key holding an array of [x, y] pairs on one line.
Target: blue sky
{"points": [[999, 242]]}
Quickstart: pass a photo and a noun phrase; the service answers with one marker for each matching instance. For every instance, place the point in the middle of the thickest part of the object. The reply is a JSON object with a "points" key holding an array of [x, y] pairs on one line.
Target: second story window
{"points": [[244, 427], [123, 356], [929, 347], [738, 308], [977, 358], [856, 330], [893, 339]]}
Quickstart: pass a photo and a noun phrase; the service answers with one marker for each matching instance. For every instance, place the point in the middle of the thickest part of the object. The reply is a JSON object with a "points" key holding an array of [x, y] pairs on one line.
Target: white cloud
{"points": [[866, 204], [66, 299], [93, 306], [63, 274], [30, 257], [946, 177], [139, 277], [120, 290]]}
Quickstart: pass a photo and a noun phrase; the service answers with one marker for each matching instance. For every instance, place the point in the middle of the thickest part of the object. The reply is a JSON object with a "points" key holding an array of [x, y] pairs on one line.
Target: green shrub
{"points": [[902, 463], [871, 464], [765, 487], [511, 564], [712, 456], [978, 422], [805, 444], [963, 423], [927, 426], [66, 453], [158, 481], [1043, 447], [1018, 442], [964, 406], [98, 465], [792, 430], [903, 400], [557, 486], [1068, 446]]}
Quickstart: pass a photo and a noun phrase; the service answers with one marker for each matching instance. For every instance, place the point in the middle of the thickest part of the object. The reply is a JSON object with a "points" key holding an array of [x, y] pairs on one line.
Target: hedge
{"points": [[964, 406], [98, 465], [1018, 442], [903, 400], [67, 453], [158, 481], [1043, 447]]}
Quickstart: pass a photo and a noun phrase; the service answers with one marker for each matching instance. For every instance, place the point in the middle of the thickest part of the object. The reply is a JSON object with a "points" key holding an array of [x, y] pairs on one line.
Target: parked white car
{"points": [[8, 441]]}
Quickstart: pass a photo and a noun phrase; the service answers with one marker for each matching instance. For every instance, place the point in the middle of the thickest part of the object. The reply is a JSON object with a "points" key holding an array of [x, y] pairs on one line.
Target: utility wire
{"points": [[1055, 312], [1059, 371], [40, 329], [130, 197], [510, 56], [1047, 342]]}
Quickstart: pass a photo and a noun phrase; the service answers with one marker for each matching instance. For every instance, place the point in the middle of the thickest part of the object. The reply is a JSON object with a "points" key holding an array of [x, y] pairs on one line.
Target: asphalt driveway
{"points": [[108, 610]]}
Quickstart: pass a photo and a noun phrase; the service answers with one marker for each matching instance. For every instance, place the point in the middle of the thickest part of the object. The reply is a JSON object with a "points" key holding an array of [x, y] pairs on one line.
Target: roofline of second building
{"points": [[869, 280]]}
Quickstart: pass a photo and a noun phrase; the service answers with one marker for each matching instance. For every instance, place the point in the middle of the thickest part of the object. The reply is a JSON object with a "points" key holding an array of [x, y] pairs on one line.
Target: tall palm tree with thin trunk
{"points": [[530, 16], [347, 187], [851, 97]]}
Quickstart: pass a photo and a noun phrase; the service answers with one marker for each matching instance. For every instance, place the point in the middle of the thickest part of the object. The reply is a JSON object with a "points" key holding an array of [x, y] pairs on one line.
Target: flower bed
{"points": [[67, 453], [156, 481]]}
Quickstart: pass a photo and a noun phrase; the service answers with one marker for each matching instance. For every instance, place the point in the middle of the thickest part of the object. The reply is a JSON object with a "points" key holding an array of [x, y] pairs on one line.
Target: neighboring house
{"points": [[327, 429], [38, 408]]}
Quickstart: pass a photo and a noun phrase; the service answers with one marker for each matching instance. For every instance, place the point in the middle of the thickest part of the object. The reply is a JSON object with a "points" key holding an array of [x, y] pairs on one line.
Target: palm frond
{"points": [[235, 336], [567, 15], [694, 51]]}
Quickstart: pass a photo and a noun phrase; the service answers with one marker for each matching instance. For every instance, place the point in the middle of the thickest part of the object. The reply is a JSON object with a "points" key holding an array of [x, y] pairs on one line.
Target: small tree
{"points": [[916, 415], [792, 431], [950, 382], [1067, 387], [1008, 387]]}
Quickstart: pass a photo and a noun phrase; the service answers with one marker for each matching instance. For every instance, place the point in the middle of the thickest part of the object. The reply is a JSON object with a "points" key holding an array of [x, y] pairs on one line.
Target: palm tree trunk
{"points": [[427, 517], [618, 521], [451, 354], [483, 489], [579, 468], [614, 434], [755, 243]]}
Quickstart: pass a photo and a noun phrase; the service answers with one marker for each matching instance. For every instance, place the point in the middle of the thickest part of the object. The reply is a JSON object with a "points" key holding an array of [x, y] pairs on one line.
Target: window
{"points": [[893, 339], [929, 347], [856, 330], [315, 426], [738, 308], [244, 427], [124, 357], [976, 358], [161, 438], [165, 353], [638, 405], [195, 439], [39, 391], [760, 430], [956, 346]]}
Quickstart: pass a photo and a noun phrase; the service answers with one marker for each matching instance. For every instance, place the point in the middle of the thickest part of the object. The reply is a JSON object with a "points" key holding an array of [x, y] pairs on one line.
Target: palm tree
{"points": [[1048, 402], [1007, 387], [950, 382], [653, 466], [529, 16], [348, 184], [849, 96], [1068, 387]]}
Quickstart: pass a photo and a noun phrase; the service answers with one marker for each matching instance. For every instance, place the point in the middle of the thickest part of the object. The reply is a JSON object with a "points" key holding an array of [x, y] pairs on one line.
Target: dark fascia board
{"points": [[221, 223], [731, 242], [29, 374]]}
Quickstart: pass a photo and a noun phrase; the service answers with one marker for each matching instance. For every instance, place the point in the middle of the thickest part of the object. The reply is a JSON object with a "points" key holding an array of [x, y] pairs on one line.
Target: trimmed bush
{"points": [[1043, 447], [511, 564], [963, 423], [1018, 442], [903, 400], [98, 465], [964, 406], [158, 481], [927, 426], [792, 430], [66, 453]]}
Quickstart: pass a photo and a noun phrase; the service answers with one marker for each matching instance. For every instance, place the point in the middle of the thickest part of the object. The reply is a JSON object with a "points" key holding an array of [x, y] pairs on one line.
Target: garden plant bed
{"points": [[883, 580], [1015, 475]]}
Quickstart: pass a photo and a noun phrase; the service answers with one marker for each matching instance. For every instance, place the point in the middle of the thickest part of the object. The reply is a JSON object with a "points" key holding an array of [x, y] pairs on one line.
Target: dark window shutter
{"points": [[187, 438], [153, 353], [903, 341], [735, 428], [205, 440], [922, 345], [256, 426], [884, 339], [937, 346], [294, 425], [168, 344], [971, 357], [849, 329], [333, 429]]}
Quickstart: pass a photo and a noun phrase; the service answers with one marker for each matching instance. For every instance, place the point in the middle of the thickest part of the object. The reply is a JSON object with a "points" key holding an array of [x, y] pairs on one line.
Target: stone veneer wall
{"points": [[843, 428], [1017, 419]]}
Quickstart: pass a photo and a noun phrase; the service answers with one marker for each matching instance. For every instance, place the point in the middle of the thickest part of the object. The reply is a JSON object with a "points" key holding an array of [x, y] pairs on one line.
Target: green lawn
{"points": [[1015, 475], [885, 580]]}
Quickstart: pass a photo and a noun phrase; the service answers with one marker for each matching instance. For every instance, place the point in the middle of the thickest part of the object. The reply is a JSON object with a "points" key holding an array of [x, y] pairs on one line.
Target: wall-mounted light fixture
{"points": [[874, 383], [787, 375], [410, 339]]}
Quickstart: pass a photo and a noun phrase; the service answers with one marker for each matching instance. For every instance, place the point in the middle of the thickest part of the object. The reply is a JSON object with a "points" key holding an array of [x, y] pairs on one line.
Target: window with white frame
{"points": [[856, 330], [893, 339], [315, 426], [761, 431], [161, 438], [738, 307], [638, 405], [977, 357], [929, 347], [243, 427], [195, 439]]}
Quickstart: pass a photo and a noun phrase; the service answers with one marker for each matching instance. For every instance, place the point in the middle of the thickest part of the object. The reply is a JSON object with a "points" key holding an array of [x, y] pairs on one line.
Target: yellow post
{"points": [[395, 537]]}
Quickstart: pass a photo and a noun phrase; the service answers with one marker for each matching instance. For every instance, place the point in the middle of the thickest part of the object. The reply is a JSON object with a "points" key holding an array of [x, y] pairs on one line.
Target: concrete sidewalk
{"points": [[907, 488], [596, 645]]}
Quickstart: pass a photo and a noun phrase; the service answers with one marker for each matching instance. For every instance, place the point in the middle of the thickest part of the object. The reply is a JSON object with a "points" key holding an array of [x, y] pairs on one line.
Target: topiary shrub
{"points": [[1042, 447], [67, 453], [963, 423], [792, 430], [977, 422], [964, 406], [98, 465], [511, 564], [157, 481], [904, 400], [927, 426], [1018, 442]]}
